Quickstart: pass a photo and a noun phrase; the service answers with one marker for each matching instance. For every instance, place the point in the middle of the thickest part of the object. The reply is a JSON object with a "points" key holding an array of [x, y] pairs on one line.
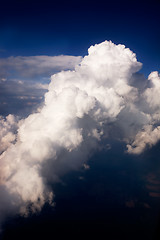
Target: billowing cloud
{"points": [[149, 134], [8, 128], [97, 101]]}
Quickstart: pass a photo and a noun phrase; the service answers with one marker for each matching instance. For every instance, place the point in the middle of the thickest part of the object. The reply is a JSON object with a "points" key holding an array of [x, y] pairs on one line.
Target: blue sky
{"points": [[50, 28], [70, 27]]}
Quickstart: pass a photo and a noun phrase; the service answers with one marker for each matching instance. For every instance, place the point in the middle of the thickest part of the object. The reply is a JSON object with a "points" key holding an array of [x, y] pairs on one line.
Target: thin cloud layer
{"points": [[35, 66], [24, 80], [21, 97], [98, 100]]}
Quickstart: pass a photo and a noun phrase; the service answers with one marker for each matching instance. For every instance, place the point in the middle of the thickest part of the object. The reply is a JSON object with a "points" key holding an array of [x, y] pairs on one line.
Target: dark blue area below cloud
{"points": [[96, 202]]}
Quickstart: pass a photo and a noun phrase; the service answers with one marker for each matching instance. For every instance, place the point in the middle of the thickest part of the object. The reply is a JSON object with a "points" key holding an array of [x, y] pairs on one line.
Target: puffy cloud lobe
{"points": [[152, 94], [80, 108], [8, 129], [149, 135]]}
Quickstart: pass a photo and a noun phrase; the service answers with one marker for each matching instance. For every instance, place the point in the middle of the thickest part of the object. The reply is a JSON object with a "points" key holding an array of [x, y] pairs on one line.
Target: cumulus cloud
{"points": [[152, 94], [8, 129], [149, 134], [148, 137], [98, 100]]}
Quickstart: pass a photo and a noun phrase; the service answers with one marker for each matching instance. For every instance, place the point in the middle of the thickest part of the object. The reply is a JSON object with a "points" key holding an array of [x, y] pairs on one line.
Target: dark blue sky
{"points": [[56, 27]]}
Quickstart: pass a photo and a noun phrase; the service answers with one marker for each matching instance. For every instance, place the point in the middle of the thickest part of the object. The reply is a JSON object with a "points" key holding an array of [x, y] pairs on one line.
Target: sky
{"points": [[79, 119], [70, 27]]}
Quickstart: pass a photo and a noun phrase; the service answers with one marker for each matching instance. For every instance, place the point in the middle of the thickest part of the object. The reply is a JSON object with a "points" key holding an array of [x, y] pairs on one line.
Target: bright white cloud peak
{"points": [[81, 108]]}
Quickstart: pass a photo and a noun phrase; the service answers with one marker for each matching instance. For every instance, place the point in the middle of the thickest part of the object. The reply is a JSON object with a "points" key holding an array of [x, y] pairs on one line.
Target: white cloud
{"points": [[149, 134], [151, 94], [8, 130], [148, 137], [81, 107]]}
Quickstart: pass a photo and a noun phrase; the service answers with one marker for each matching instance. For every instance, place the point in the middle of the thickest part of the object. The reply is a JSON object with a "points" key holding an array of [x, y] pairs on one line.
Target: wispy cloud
{"points": [[20, 97], [24, 80], [34, 66]]}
